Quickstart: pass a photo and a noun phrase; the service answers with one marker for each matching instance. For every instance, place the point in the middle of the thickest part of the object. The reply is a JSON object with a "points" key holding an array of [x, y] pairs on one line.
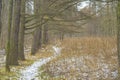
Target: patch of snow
{"points": [[31, 72], [85, 74], [84, 67], [57, 50], [114, 74], [2, 51]]}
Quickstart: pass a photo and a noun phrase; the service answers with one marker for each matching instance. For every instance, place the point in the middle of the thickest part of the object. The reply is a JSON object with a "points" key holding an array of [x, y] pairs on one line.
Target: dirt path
{"points": [[31, 72]]}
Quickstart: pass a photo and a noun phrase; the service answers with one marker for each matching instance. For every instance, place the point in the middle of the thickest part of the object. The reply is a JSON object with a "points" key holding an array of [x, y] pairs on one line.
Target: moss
{"points": [[7, 75], [26, 62]]}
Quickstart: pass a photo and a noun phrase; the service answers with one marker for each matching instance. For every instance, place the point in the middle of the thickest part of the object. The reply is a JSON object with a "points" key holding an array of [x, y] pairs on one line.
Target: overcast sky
{"points": [[82, 5]]}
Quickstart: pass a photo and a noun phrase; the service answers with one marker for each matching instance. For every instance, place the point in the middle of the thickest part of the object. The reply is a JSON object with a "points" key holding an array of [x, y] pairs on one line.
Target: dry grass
{"points": [[89, 45], [79, 58], [96, 53], [95, 46]]}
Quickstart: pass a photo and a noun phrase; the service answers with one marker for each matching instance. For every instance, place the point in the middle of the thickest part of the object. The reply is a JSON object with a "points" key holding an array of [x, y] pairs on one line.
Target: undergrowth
{"points": [[14, 73], [95, 52]]}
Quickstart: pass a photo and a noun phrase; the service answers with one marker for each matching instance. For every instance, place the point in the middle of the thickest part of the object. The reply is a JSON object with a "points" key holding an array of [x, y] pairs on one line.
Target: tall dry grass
{"points": [[106, 46], [90, 55]]}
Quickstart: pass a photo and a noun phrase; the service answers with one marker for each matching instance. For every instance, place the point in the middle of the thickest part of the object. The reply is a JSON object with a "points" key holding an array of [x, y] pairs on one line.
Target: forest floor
{"points": [[80, 59], [84, 59], [28, 69], [32, 72]]}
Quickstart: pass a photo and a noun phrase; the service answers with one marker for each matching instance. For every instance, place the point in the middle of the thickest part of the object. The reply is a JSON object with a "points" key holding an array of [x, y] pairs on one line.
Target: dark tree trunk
{"points": [[0, 17], [9, 34], [21, 55], [13, 57], [36, 41], [118, 26], [61, 34], [36, 44], [44, 35], [118, 36]]}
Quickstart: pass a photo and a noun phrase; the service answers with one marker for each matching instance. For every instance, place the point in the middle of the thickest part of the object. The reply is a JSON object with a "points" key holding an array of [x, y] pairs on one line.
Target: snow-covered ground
{"points": [[86, 67], [83, 68], [2, 57], [31, 72]]}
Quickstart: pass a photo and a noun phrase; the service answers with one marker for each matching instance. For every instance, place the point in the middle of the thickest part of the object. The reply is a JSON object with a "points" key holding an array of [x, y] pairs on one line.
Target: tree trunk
{"points": [[21, 55], [4, 17], [13, 57], [0, 17], [37, 34], [9, 34], [44, 35], [118, 35], [36, 41]]}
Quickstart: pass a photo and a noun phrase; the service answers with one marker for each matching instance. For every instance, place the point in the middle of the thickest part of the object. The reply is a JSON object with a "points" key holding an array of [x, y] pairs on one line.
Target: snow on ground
{"points": [[86, 67], [57, 50], [83, 68], [2, 57], [31, 72]]}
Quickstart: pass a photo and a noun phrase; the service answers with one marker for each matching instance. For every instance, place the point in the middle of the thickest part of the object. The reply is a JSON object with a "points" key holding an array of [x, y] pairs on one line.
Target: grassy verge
{"points": [[82, 58], [14, 74], [46, 76]]}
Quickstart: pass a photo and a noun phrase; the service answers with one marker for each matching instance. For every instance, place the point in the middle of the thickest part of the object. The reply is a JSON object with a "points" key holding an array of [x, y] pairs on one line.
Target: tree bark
{"points": [[13, 57], [37, 34], [21, 55], [44, 35], [0, 17], [9, 34], [4, 29], [36, 41], [118, 36]]}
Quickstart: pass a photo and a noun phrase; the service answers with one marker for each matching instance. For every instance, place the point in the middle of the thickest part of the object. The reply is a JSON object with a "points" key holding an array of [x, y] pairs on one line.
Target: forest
{"points": [[59, 39]]}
